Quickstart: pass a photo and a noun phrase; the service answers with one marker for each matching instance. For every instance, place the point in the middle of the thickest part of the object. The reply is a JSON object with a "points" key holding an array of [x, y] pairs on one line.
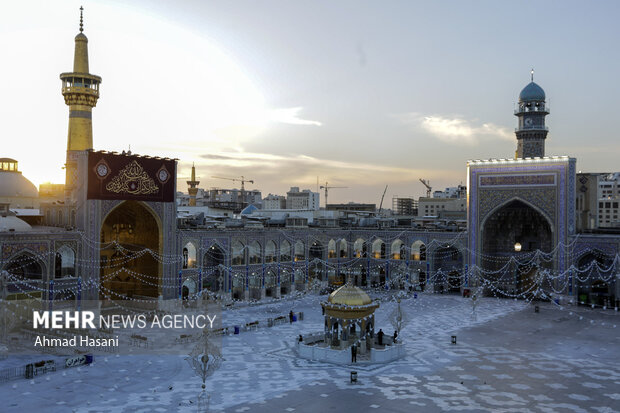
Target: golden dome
{"points": [[349, 295]]}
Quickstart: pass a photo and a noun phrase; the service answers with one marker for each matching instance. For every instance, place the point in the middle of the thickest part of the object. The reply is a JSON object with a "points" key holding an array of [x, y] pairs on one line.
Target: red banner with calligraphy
{"points": [[125, 177]]}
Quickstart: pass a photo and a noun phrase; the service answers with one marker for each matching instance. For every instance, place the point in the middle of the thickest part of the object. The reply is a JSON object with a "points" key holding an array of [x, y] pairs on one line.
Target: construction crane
{"points": [[240, 179], [427, 184], [382, 196], [326, 187]]}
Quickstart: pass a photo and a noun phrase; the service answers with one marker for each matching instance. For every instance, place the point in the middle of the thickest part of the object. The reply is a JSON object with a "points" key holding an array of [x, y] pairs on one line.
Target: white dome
{"points": [[14, 185], [12, 223]]}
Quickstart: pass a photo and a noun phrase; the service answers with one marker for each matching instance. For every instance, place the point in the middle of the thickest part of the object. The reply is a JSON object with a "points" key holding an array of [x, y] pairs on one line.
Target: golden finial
{"points": [[81, 19]]}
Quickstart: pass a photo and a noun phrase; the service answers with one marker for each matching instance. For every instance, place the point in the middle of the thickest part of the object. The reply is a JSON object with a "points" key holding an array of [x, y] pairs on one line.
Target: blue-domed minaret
{"points": [[531, 132]]}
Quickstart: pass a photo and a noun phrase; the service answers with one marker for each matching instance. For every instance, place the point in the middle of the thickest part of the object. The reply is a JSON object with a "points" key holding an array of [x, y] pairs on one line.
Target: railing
{"points": [[537, 109], [80, 89], [532, 127], [12, 373]]}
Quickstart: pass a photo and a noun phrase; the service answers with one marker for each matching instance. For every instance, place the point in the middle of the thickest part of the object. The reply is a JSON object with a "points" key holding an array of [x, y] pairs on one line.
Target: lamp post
{"points": [[204, 360]]}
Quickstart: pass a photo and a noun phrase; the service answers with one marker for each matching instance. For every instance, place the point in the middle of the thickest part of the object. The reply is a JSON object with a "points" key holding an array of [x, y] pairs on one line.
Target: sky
{"points": [[361, 94]]}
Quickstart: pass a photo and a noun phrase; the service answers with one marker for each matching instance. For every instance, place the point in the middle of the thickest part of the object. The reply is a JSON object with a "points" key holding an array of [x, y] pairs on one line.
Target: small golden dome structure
{"points": [[349, 295], [349, 315]]}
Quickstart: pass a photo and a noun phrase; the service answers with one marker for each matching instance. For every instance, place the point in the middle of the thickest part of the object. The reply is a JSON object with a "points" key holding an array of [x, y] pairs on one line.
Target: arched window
{"points": [[395, 251], [65, 262], [378, 249], [359, 248], [254, 252], [331, 249], [343, 249], [300, 251], [270, 251], [418, 251], [238, 253], [189, 256], [285, 251]]}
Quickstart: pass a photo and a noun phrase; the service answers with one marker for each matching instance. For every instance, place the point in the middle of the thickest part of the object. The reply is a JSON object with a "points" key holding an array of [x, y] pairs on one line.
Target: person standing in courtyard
{"points": [[354, 353], [380, 337], [290, 317]]}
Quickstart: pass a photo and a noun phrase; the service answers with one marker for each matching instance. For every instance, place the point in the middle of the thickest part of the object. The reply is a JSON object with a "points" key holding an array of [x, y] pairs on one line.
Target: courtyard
{"points": [[508, 358]]}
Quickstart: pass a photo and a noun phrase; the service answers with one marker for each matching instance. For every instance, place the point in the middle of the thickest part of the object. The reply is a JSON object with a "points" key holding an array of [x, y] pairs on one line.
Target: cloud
{"points": [[299, 167], [276, 173], [218, 157], [456, 129], [291, 117]]}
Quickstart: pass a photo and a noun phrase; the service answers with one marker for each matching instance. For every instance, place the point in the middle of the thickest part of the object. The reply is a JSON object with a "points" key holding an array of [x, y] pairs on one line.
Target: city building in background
{"points": [[352, 207], [305, 199], [272, 201], [598, 199], [404, 205]]}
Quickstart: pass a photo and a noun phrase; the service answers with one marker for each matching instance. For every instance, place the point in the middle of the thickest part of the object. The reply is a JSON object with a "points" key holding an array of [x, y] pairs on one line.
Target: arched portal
{"points": [[448, 265], [128, 229], [512, 230], [316, 250], [189, 288], [213, 271], [271, 283], [25, 279], [595, 279]]}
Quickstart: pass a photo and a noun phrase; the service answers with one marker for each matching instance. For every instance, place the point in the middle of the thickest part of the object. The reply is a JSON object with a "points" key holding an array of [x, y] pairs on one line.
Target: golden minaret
{"points": [[193, 187], [81, 91]]}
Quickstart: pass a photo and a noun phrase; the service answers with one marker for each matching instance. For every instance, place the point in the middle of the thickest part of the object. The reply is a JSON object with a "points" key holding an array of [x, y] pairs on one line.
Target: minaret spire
{"points": [[192, 189], [81, 92], [531, 131]]}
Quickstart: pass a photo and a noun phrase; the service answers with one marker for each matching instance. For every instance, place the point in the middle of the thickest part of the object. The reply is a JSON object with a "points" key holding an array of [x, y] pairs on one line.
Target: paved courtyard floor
{"points": [[509, 359]]}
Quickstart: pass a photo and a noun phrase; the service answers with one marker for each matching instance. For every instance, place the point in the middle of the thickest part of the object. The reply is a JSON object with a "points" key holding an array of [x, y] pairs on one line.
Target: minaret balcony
{"points": [[81, 90], [532, 127], [535, 109], [80, 83]]}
